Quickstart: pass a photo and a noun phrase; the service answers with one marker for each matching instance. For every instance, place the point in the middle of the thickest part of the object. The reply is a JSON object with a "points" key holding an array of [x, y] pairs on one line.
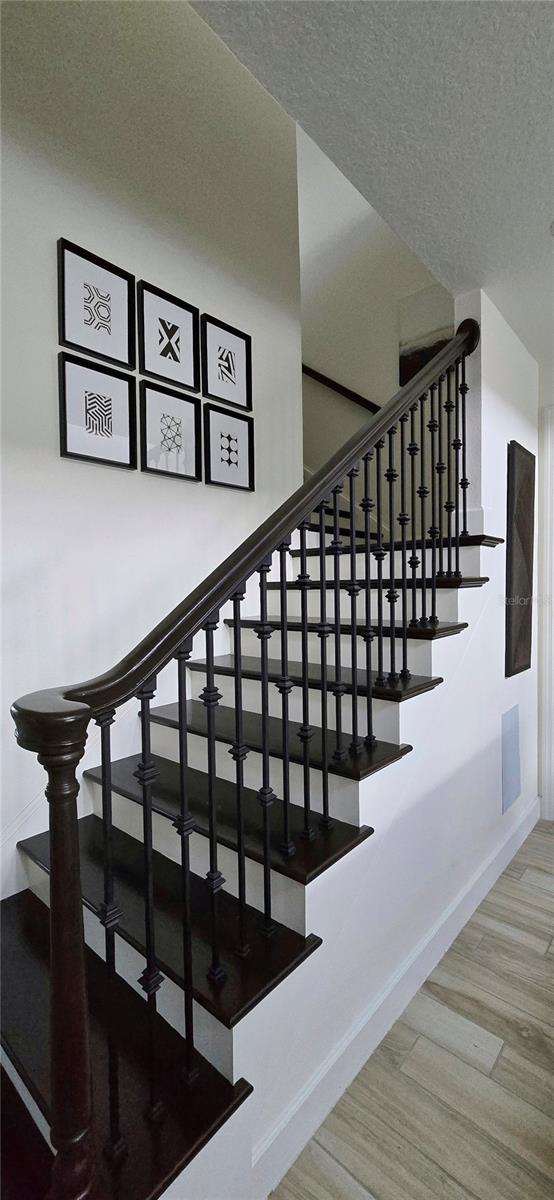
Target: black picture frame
{"points": [[65, 246], [520, 528], [63, 360], [247, 339], [143, 287], [248, 421], [195, 401]]}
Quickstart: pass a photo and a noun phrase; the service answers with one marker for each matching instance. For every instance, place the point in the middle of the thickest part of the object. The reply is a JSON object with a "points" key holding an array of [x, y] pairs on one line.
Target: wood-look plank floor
{"points": [[457, 1103]]}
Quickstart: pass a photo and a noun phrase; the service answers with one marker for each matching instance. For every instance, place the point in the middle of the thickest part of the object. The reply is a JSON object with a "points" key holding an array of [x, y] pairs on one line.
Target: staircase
{"points": [[179, 901]]}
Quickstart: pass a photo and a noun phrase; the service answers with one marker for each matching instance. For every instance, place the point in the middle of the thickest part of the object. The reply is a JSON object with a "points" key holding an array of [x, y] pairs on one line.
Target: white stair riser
{"points": [[447, 605], [470, 564], [420, 653], [343, 793], [287, 895], [211, 1038], [385, 715]]}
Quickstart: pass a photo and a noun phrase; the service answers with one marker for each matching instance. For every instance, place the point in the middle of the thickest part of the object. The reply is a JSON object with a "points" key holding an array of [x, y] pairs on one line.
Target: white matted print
{"points": [[96, 305], [228, 448], [97, 413], [168, 337], [226, 363], [170, 432]]}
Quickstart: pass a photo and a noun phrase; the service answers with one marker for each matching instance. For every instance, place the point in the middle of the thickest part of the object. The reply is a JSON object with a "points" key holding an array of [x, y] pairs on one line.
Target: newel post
{"points": [[56, 730]]}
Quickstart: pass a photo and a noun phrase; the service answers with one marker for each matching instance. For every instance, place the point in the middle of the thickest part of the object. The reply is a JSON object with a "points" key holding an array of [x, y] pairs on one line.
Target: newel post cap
{"points": [[49, 724], [470, 329]]}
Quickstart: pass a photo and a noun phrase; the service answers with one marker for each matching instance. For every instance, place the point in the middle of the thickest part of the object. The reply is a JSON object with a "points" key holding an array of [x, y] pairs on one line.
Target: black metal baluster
{"points": [[353, 591], [464, 481], [433, 529], [413, 560], [284, 686], [210, 697], [403, 522], [323, 631], [151, 977], [449, 504], [305, 732], [391, 475], [265, 793], [184, 825], [338, 688], [457, 446], [238, 753], [109, 915], [441, 468], [423, 493], [379, 555], [367, 507]]}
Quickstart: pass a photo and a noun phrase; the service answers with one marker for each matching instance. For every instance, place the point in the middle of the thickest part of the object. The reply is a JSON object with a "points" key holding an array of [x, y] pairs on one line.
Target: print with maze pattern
{"points": [[169, 340], [226, 365], [229, 448], [98, 414], [171, 432], [97, 307]]}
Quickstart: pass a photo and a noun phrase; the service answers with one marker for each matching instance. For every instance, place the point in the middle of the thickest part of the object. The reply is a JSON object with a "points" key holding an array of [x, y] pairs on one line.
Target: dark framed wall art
{"points": [[170, 432], [228, 448], [168, 338], [520, 526], [226, 363], [96, 305], [97, 413]]}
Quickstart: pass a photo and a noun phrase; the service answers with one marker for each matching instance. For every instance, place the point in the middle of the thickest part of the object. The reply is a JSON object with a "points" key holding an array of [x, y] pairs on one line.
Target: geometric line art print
{"points": [[98, 414], [229, 448], [169, 340], [97, 307], [171, 432], [226, 365]]}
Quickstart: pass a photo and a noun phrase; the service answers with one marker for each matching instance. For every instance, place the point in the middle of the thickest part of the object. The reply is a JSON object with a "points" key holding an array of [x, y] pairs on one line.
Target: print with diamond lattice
{"points": [[229, 447], [171, 432], [226, 365], [97, 307], [169, 340], [98, 414]]}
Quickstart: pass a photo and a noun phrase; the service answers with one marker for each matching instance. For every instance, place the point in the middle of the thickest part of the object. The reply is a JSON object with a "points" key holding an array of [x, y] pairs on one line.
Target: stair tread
{"points": [[155, 1156], [311, 858], [402, 690], [443, 582], [26, 1158], [248, 979], [470, 539], [419, 632], [354, 766]]}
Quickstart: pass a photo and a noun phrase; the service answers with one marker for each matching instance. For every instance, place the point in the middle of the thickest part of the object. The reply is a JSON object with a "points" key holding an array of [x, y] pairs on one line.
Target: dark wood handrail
{"points": [[69, 707], [340, 389]]}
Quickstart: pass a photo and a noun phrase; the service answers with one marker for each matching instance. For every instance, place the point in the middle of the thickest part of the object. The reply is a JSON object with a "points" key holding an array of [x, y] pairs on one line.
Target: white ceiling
{"points": [[441, 114]]}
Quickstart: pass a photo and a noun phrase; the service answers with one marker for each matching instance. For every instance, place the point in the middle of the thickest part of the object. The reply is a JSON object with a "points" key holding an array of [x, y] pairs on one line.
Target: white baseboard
{"points": [[275, 1153]]}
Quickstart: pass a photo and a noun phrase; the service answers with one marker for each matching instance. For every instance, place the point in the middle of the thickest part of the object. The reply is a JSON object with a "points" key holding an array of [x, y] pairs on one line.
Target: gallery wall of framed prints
{"points": [[188, 355]]}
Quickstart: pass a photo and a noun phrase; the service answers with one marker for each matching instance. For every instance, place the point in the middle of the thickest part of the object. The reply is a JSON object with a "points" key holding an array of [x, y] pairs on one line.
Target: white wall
{"points": [[354, 272], [131, 130]]}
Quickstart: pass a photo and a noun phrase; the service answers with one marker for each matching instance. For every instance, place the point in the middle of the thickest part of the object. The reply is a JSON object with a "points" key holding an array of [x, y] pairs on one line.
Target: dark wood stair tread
{"points": [[470, 539], [403, 689], [248, 979], [25, 1157], [443, 582], [419, 632], [354, 766], [311, 858], [192, 1114]]}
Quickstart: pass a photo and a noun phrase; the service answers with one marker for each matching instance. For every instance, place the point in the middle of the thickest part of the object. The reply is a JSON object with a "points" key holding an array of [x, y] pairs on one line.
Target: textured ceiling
{"points": [[441, 114]]}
